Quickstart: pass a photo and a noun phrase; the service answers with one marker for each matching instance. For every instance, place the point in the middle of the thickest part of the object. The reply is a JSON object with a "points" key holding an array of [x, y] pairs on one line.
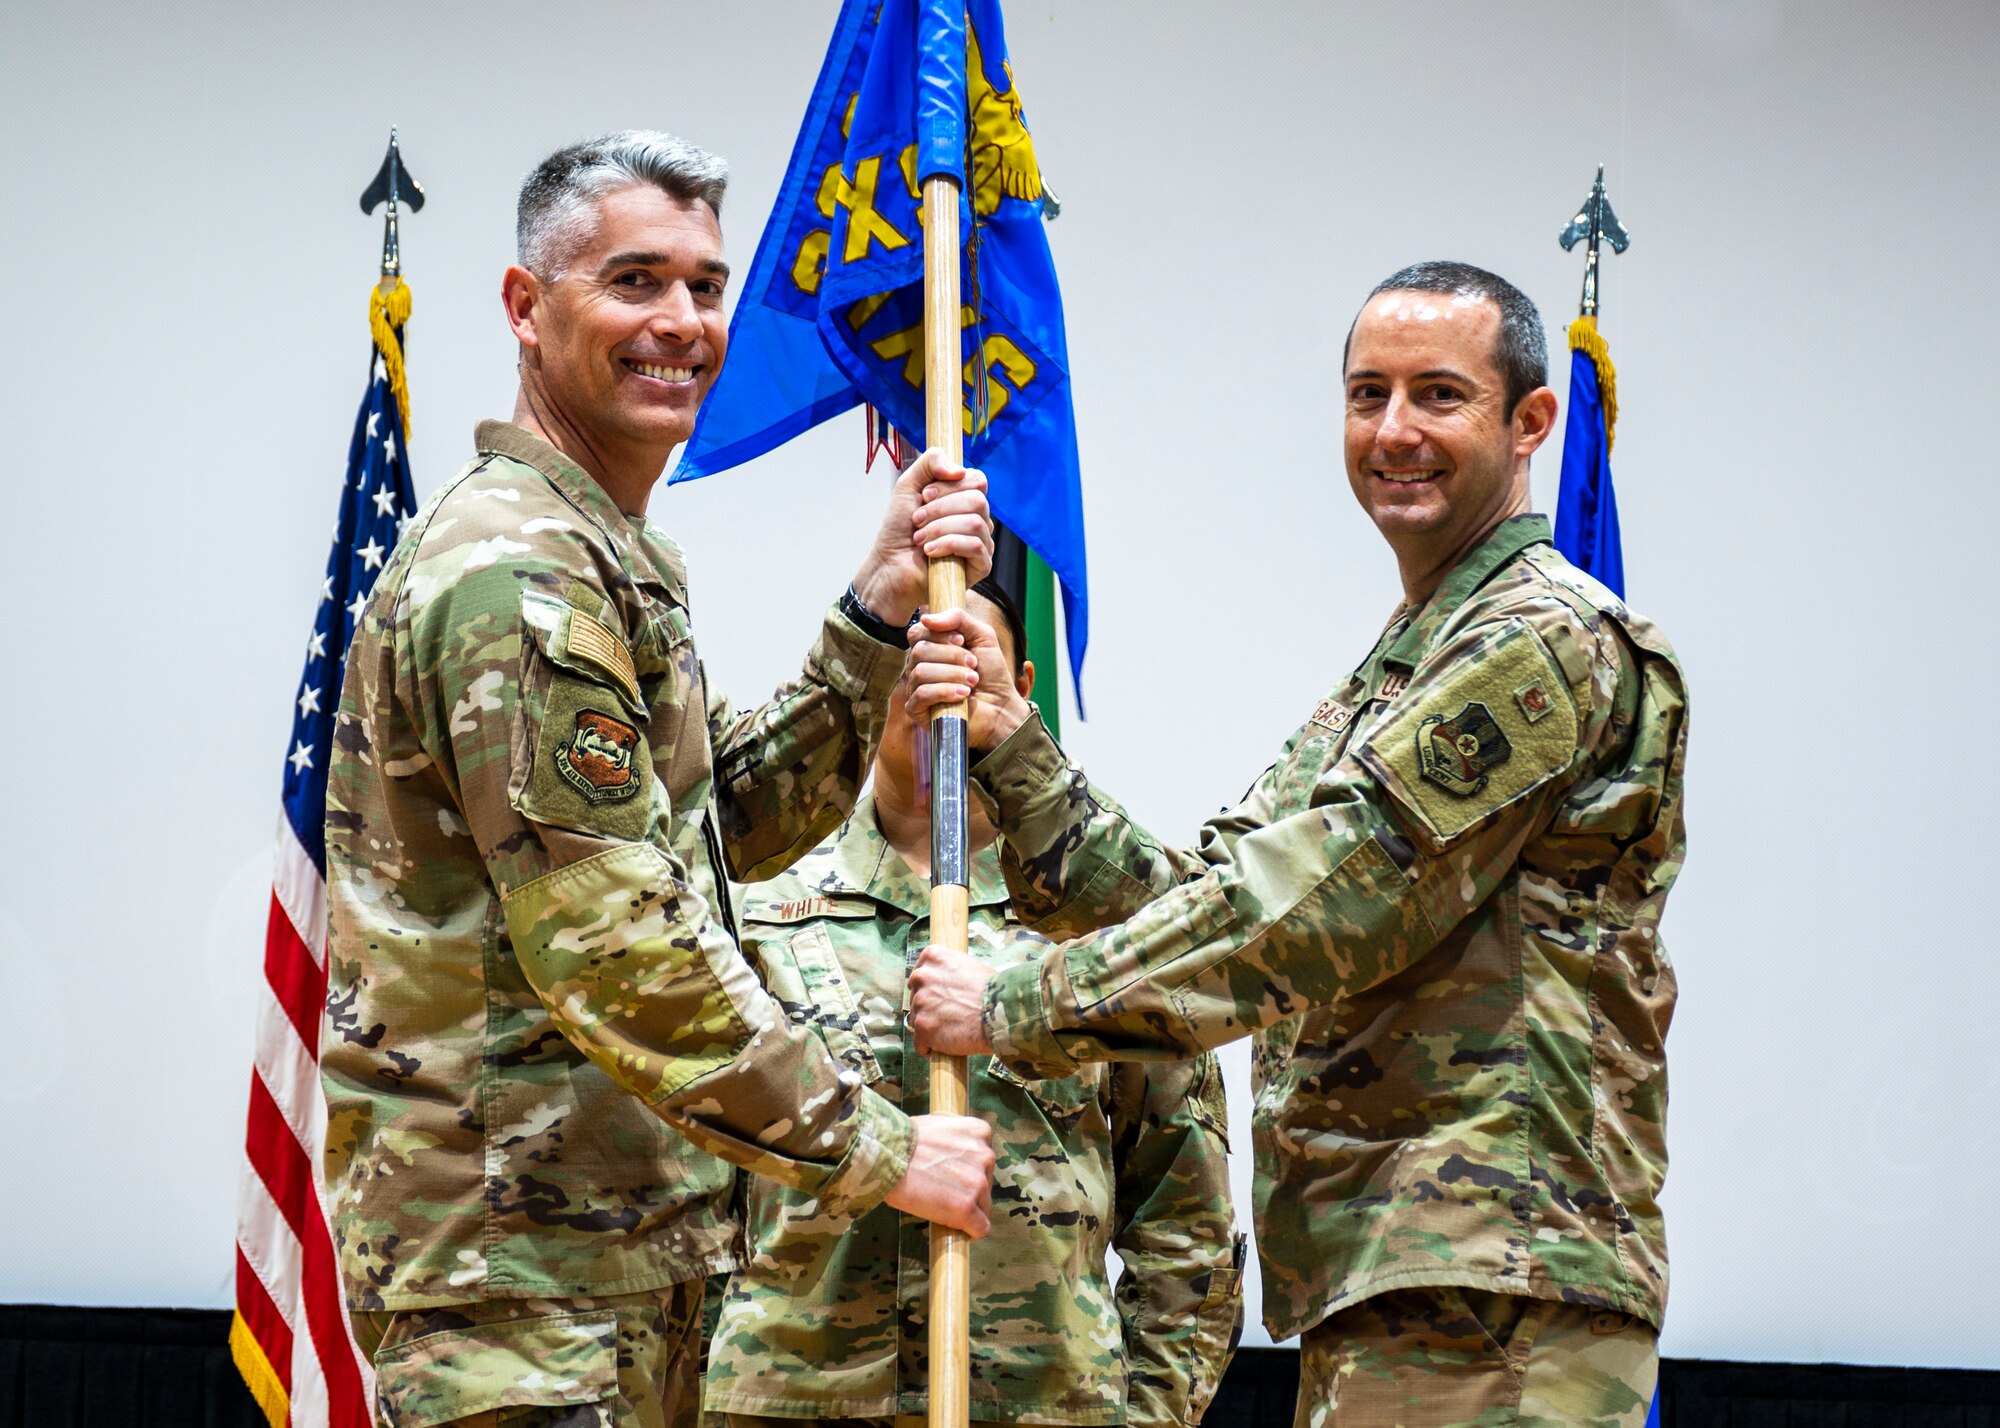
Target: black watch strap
{"points": [[872, 625]]}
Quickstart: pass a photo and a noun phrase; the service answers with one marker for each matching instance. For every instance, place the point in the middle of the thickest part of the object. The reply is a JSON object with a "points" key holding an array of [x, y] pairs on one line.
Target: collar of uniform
{"points": [[667, 557], [862, 861], [578, 487], [1509, 539]]}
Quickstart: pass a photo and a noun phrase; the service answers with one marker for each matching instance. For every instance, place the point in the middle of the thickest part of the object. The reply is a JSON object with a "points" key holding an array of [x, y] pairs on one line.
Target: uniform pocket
{"points": [[830, 1001], [1217, 1329], [1511, 1322], [556, 1360], [1062, 1098], [581, 758], [676, 699], [605, 944], [1166, 943]]}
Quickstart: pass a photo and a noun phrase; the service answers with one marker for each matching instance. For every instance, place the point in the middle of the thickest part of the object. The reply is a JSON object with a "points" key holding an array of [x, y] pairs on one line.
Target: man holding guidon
{"points": [[540, 1028], [1438, 910]]}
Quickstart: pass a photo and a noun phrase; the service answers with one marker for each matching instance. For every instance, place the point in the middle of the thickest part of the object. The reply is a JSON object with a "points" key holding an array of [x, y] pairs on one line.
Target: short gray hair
{"points": [[556, 212]]}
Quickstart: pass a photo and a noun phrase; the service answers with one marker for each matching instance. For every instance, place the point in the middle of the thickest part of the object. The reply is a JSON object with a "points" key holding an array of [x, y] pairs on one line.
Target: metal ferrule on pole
{"points": [[948, 773]]}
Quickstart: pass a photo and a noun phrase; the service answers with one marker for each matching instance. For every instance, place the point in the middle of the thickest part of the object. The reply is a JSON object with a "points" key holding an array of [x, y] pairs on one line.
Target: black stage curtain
{"points": [[1711, 1393], [64, 1367], [170, 1368]]}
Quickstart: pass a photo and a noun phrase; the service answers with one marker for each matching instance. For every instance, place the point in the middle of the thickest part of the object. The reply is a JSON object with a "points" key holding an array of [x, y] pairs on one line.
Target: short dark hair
{"points": [[992, 590], [1521, 351]]}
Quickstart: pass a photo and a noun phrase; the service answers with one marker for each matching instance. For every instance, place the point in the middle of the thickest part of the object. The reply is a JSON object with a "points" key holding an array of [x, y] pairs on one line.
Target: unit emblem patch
{"points": [[1455, 753], [596, 759]]}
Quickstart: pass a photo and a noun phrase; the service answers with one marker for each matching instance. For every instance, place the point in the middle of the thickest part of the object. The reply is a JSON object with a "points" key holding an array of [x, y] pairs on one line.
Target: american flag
{"points": [[290, 1337]]}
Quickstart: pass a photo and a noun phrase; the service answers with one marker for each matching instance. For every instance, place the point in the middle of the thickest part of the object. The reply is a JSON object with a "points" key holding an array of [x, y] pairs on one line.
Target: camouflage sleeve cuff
{"points": [[854, 664], [1017, 1024], [878, 1156], [1027, 762]]}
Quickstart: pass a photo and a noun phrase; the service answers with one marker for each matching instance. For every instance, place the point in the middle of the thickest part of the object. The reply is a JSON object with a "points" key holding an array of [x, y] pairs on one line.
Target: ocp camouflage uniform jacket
{"points": [[1440, 911], [827, 1317], [534, 986]]}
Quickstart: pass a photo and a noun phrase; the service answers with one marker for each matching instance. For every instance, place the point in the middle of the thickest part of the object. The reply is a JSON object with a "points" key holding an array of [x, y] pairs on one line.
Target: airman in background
{"points": [[826, 1319]]}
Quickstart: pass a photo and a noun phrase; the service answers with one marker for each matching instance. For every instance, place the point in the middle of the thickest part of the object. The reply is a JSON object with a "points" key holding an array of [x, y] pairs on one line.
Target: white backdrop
{"points": [[1804, 336]]}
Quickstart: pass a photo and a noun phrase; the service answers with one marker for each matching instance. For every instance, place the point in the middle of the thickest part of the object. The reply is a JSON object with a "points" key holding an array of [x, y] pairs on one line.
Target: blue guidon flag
{"points": [[832, 313], [1586, 527]]}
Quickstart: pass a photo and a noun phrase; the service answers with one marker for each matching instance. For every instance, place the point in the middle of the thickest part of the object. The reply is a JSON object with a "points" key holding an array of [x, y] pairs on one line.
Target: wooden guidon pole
{"points": [[951, 1260]]}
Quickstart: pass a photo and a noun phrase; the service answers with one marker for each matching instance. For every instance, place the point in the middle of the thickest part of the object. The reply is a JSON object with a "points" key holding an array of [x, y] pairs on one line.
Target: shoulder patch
{"points": [[596, 758], [591, 769], [1476, 735], [1457, 751], [594, 644]]}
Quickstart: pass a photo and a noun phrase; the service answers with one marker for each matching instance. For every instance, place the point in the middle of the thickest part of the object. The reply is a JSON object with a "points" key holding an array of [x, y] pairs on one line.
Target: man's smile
{"points": [[1408, 475], [660, 372]]}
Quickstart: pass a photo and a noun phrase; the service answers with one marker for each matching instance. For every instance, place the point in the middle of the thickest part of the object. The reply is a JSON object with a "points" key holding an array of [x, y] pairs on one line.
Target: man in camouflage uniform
{"points": [[1439, 910], [826, 1319], [540, 1028]]}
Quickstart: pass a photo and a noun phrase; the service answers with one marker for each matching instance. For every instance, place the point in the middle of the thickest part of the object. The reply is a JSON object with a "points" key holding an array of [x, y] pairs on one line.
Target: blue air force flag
{"points": [[1586, 507], [832, 312]]}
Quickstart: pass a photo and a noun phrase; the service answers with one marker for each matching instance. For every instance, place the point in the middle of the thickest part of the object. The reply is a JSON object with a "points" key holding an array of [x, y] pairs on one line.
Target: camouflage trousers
{"points": [[618, 1361], [758, 1420], [1463, 1358]]}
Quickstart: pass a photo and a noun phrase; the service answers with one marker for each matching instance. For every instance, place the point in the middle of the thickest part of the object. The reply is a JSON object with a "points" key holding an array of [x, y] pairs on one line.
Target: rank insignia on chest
{"points": [[1456, 752], [596, 759]]}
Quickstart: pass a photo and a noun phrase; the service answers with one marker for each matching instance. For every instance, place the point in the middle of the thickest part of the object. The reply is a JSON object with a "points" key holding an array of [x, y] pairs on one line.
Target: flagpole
{"points": [[951, 1260]]}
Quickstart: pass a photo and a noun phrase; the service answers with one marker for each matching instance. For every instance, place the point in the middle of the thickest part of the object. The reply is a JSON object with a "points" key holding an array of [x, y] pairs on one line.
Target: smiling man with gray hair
{"points": [[541, 1032]]}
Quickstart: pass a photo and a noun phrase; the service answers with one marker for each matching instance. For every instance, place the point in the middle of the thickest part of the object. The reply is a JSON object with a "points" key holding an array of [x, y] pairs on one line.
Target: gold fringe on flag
{"points": [[1585, 338], [256, 1369], [387, 312]]}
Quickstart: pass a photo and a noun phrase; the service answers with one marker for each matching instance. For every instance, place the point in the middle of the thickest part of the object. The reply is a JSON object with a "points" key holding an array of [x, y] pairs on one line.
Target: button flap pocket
{"points": [[1171, 935], [1062, 1097], [554, 1360], [1491, 725], [831, 1006], [582, 759], [662, 643]]}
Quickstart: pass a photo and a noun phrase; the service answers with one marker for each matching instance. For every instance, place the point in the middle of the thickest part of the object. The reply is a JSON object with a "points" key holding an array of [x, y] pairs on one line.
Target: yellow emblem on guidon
{"points": [[1003, 152]]}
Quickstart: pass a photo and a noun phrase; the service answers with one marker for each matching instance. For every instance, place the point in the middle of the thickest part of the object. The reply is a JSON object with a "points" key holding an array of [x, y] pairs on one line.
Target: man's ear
{"points": [[520, 290], [1025, 680], [1534, 419]]}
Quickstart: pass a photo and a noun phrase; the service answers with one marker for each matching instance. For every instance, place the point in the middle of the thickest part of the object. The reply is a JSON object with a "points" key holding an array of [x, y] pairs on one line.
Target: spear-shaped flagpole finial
{"points": [[1594, 222], [392, 185]]}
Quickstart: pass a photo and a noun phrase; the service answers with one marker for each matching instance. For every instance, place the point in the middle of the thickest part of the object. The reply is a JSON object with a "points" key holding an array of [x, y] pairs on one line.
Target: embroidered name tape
{"points": [[1332, 714]]}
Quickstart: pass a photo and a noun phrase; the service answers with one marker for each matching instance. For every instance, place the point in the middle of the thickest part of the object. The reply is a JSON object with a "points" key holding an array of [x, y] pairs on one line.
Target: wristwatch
{"points": [[872, 624]]}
